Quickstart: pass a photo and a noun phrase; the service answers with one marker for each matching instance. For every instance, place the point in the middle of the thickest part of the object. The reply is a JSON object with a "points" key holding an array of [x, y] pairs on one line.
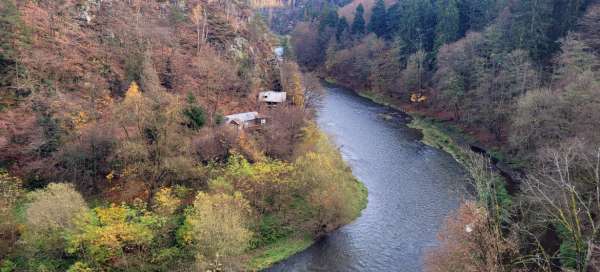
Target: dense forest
{"points": [[115, 150], [518, 78]]}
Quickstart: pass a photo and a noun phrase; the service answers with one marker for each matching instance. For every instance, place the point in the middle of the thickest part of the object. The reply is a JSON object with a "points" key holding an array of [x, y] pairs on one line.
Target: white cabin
{"points": [[245, 120], [271, 97]]}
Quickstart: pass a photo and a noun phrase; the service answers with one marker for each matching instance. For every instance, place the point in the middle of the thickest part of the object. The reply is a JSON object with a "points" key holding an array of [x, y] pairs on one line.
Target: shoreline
{"points": [[267, 256], [456, 143]]}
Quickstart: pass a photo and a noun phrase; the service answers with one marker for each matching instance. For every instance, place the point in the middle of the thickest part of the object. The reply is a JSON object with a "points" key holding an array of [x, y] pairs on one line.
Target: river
{"points": [[412, 187]]}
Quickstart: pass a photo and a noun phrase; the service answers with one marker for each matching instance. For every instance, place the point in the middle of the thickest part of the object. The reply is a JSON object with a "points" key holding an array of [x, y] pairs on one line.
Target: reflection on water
{"points": [[411, 188]]}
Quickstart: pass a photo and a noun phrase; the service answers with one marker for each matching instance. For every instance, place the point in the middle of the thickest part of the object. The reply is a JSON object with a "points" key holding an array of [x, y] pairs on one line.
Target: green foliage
{"points": [[358, 25], [448, 21], [567, 252], [79, 267], [194, 113], [378, 20], [270, 230], [216, 227], [335, 197], [51, 212], [8, 266], [106, 234], [278, 251], [341, 28]]}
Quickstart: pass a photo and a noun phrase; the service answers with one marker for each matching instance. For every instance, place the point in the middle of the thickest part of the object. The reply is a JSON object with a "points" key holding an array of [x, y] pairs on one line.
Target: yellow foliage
{"points": [[133, 91], [10, 190], [166, 202], [418, 98], [79, 119], [104, 232], [217, 225], [110, 176]]}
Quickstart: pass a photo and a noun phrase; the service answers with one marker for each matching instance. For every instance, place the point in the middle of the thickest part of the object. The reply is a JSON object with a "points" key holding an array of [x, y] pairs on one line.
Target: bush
{"points": [[50, 214], [112, 234], [216, 227]]}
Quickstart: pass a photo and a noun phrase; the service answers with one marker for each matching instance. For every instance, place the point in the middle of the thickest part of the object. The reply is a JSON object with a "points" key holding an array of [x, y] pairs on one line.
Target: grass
{"points": [[435, 136], [278, 251], [363, 194]]}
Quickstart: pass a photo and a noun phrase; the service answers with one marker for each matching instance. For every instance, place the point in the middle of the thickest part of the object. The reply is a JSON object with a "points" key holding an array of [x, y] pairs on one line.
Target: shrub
{"points": [[113, 233], [216, 227]]}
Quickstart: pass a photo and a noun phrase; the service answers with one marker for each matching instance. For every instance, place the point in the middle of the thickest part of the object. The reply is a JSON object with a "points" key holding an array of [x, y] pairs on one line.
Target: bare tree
{"points": [[567, 188], [313, 91]]}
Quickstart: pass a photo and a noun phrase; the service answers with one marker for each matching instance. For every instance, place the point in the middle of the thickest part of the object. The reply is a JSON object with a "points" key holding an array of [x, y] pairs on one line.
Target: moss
{"points": [[278, 251]]}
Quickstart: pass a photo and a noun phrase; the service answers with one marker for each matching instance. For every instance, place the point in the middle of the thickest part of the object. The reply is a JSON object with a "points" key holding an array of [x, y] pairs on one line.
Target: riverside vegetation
{"points": [[518, 78], [113, 151]]}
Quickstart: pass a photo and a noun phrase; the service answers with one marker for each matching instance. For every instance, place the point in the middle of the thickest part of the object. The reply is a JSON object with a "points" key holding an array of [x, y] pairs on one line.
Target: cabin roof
{"points": [[271, 96], [244, 116]]}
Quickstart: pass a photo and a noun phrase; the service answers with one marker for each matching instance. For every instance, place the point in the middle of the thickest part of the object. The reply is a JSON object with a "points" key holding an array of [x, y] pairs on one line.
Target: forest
{"points": [[116, 153], [519, 79]]}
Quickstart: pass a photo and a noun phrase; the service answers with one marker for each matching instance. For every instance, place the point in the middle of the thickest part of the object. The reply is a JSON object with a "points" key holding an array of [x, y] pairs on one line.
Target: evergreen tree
{"points": [[448, 22], [475, 14], [414, 22], [533, 21], [358, 25], [329, 18], [194, 114], [392, 19], [377, 23], [341, 27]]}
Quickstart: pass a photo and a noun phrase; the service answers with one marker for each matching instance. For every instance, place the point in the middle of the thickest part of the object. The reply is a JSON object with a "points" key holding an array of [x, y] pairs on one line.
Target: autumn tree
{"points": [[334, 195], [155, 149], [108, 237], [468, 244], [149, 81], [291, 82], [10, 192], [13, 37], [216, 227], [53, 212], [565, 110], [200, 19], [305, 42]]}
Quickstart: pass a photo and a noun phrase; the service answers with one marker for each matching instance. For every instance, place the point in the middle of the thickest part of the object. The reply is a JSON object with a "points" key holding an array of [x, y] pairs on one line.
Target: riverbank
{"points": [[281, 250], [448, 137], [354, 201], [452, 139]]}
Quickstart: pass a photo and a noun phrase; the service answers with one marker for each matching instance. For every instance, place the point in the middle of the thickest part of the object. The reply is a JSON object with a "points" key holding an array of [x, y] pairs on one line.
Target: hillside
{"points": [[116, 152]]}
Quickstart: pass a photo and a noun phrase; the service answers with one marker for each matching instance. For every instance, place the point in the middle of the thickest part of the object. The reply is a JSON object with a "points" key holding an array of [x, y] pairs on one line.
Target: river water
{"points": [[412, 187]]}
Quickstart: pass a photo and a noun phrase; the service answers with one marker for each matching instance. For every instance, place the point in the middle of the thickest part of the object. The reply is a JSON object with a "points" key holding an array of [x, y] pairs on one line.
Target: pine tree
{"points": [[533, 21], [358, 25], [377, 23], [448, 22], [341, 27]]}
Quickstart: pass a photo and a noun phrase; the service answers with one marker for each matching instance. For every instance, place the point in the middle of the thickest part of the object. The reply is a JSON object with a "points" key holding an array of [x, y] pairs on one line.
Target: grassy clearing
{"points": [[278, 251]]}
